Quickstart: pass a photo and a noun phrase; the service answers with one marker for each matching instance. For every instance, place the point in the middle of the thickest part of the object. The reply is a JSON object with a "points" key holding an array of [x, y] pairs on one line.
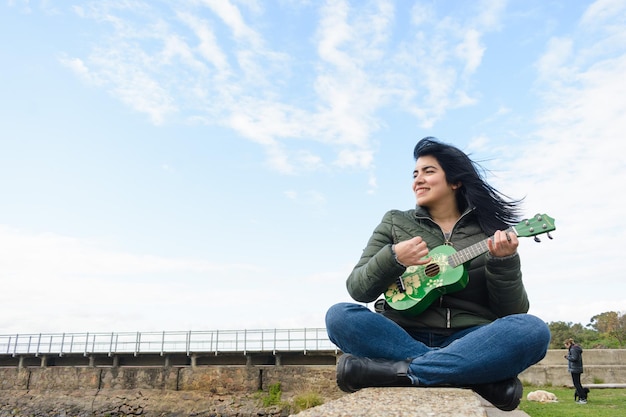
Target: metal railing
{"points": [[215, 341]]}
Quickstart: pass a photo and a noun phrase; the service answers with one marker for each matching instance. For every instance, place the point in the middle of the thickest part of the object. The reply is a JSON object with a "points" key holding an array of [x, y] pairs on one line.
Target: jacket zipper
{"points": [[448, 313], [447, 239], [447, 242]]}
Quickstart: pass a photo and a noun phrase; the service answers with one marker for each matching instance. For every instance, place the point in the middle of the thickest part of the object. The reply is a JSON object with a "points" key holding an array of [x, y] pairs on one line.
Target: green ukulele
{"points": [[420, 285]]}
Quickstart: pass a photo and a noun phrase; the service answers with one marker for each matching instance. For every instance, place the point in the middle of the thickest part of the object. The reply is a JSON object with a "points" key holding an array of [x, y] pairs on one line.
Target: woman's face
{"points": [[429, 183]]}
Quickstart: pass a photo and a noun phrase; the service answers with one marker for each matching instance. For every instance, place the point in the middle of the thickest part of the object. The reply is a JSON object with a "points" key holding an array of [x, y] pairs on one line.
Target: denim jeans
{"points": [[477, 355]]}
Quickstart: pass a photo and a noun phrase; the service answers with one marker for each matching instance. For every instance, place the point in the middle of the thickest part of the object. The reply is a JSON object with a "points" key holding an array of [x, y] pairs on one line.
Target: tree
{"points": [[620, 332], [617, 328], [559, 330], [605, 322], [611, 323], [605, 330]]}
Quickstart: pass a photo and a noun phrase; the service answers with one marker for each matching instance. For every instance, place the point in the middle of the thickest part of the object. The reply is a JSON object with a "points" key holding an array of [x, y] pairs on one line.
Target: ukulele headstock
{"points": [[536, 225]]}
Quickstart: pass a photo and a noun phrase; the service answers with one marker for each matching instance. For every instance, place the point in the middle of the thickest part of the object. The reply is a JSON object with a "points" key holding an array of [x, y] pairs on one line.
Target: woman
{"points": [[575, 367], [478, 337]]}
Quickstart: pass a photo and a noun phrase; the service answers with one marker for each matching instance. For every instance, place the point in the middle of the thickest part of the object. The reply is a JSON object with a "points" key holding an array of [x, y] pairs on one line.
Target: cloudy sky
{"points": [[220, 164]]}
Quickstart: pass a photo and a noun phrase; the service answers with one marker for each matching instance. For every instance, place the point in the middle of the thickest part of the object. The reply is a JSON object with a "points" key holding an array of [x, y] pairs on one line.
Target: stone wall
{"points": [[601, 366], [220, 380], [224, 390]]}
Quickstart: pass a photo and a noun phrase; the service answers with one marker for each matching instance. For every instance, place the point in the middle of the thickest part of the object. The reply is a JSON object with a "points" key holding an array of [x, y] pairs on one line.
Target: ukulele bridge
{"points": [[400, 284]]}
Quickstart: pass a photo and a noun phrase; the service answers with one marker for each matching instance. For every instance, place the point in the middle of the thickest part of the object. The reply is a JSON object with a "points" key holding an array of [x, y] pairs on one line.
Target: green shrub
{"points": [[307, 400], [272, 397]]}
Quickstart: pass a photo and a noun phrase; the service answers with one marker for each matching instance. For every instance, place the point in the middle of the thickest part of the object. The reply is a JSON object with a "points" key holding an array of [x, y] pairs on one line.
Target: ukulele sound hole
{"points": [[431, 270]]}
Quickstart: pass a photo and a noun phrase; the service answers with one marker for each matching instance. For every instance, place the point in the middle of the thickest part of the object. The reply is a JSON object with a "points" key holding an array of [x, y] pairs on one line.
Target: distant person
{"points": [[575, 367], [478, 337]]}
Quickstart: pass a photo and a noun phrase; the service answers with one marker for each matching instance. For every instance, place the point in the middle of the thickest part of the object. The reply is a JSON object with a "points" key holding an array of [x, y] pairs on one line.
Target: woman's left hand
{"points": [[503, 244]]}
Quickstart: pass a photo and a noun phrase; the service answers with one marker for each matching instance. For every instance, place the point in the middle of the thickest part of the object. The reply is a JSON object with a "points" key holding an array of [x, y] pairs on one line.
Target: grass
{"points": [[273, 397], [306, 400], [604, 402], [300, 402]]}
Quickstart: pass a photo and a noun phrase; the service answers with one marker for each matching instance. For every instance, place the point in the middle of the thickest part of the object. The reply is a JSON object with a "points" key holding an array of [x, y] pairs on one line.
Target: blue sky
{"points": [[220, 164]]}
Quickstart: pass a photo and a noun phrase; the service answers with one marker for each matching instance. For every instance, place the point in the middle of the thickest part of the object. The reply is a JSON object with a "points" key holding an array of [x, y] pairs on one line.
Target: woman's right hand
{"points": [[412, 252]]}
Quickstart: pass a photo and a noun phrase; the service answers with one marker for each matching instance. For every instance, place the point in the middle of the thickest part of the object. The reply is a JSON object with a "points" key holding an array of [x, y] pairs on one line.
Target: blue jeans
{"points": [[477, 355]]}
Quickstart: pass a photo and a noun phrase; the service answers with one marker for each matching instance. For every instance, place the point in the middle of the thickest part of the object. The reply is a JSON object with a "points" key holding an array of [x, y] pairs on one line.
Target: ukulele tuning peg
{"points": [[537, 239], [549, 236]]}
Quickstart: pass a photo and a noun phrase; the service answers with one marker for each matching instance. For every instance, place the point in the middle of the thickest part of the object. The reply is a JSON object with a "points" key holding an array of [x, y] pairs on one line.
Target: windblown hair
{"points": [[494, 210]]}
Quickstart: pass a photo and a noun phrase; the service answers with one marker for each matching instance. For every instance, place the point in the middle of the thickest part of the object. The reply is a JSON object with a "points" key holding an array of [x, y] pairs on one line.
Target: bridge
{"points": [[222, 347]]}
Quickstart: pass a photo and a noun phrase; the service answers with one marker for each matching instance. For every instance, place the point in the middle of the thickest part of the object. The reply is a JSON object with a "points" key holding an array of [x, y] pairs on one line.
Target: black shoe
{"points": [[505, 394], [354, 373]]}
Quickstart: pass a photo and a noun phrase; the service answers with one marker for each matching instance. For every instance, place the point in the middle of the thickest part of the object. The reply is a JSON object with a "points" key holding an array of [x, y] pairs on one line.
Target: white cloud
{"points": [[70, 281], [242, 83], [230, 14], [601, 12], [432, 83], [314, 201], [209, 48], [45, 255], [471, 51]]}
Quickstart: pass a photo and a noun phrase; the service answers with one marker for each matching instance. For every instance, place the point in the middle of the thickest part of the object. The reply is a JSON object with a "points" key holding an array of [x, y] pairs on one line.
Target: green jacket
{"points": [[495, 288]]}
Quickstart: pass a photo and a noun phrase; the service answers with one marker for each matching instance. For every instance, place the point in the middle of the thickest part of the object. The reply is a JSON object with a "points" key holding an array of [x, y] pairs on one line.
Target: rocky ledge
{"points": [[144, 403]]}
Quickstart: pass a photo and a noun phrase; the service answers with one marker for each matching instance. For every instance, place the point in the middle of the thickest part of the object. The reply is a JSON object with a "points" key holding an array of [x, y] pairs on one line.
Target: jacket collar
{"points": [[422, 212]]}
